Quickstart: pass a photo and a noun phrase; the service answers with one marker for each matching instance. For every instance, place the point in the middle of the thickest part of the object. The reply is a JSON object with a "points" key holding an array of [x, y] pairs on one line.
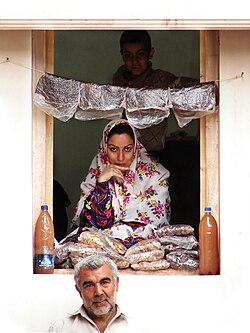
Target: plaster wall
{"points": [[182, 9]]}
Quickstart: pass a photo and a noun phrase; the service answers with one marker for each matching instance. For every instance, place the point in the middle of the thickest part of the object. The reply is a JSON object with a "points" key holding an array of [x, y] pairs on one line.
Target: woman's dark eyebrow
{"points": [[112, 145]]}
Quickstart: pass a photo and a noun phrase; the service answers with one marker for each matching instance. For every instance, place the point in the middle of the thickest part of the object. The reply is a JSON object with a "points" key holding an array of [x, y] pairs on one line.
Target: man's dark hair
{"points": [[135, 36]]}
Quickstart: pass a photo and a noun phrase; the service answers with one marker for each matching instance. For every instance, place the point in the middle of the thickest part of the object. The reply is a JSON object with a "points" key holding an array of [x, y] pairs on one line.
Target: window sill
{"points": [[129, 271]]}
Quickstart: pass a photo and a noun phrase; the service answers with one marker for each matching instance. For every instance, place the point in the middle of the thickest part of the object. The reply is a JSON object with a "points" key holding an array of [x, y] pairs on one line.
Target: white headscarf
{"points": [[143, 197]]}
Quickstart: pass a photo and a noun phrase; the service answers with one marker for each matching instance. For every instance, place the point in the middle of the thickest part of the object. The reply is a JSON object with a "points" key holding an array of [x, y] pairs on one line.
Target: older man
{"points": [[97, 281]]}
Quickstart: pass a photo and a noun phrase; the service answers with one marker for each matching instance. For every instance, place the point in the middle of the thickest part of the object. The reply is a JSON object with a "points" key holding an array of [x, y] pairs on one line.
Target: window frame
{"points": [[42, 177], [42, 126]]}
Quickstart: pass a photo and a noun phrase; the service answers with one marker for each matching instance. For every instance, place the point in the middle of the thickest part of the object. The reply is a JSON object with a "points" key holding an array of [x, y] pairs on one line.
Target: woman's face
{"points": [[120, 150]]}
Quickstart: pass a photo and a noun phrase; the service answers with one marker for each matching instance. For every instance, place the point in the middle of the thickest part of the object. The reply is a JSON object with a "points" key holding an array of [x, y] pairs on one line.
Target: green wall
{"points": [[94, 56]]}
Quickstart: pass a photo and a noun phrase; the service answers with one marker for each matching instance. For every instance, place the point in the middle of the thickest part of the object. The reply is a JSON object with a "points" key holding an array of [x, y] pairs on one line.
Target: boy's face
{"points": [[136, 58]]}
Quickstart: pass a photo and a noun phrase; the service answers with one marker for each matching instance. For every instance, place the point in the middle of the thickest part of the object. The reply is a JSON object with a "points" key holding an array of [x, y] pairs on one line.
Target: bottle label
{"points": [[44, 260]]}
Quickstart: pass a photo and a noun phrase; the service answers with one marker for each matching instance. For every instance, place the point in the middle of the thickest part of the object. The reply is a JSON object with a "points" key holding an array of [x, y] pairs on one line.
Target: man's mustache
{"points": [[99, 298]]}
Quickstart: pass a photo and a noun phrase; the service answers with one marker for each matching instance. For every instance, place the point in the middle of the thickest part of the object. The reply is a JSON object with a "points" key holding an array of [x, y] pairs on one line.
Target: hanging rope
{"points": [[7, 60]]}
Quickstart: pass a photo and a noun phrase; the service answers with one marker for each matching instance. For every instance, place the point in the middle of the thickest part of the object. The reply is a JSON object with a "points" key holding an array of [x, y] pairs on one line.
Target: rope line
{"points": [[7, 60]]}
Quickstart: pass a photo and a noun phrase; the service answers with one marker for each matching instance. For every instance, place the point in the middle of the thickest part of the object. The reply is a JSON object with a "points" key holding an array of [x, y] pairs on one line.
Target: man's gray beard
{"points": [[102, 310]]}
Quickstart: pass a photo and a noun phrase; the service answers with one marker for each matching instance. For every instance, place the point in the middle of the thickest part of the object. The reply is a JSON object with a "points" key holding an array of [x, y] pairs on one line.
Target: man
{"points": [[137, 72], [97, 282]]}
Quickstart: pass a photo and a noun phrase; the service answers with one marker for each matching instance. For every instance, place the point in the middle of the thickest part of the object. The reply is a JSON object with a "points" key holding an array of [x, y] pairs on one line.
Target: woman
{"points": [[125, 190]]}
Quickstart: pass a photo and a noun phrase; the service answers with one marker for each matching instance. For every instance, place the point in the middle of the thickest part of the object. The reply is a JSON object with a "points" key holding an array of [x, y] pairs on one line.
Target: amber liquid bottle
{"points": [[209, 244], [44, 243]]}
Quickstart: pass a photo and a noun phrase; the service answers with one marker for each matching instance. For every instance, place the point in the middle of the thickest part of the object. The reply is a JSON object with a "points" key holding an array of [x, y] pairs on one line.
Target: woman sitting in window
{"points": [[125, 190]]}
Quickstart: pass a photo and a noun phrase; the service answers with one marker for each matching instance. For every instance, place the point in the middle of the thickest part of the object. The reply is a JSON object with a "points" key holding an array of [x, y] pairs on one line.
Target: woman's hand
{"points": [[112, 170]]}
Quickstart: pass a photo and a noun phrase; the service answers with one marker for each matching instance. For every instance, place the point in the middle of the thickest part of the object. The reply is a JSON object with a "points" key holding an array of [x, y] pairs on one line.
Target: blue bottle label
{"points": [[44, 260]]}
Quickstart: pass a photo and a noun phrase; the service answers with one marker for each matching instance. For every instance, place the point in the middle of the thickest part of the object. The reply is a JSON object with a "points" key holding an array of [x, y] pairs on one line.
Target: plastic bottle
{"points": [[209, 244], [44, 243]]}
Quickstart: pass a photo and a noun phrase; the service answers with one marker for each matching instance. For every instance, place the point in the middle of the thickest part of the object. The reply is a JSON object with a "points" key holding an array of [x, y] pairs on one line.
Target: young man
{"points": [[97, 281], [137, 72]]}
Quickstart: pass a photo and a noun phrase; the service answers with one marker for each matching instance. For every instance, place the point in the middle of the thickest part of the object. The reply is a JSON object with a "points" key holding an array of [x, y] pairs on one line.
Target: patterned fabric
{"points": [[142, 199]]}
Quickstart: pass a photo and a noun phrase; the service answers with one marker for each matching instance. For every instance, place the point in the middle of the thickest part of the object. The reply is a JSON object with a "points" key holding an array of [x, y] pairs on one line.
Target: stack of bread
{"points": [[172, 246], [180, 246]]}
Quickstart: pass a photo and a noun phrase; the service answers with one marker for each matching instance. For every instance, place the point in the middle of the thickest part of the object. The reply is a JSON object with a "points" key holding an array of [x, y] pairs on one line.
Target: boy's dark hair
{"points": [[136, 36]]}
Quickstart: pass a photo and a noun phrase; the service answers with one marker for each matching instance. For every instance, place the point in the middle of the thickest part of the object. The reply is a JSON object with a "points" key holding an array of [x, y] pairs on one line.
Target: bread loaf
{"points": [[151, 266]]}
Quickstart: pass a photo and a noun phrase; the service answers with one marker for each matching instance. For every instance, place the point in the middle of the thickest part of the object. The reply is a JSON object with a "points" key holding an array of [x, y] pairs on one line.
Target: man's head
{"points": [[96, 280], [136, 51]]}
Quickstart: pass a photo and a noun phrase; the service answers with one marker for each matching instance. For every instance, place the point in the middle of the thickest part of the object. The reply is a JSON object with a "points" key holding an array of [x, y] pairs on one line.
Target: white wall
{"points": [[182, 9], [166, 303]]}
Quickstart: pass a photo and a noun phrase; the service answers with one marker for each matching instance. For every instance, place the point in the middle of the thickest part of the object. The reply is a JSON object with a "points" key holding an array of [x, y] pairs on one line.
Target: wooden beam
{"points": [[121, 24], [209, 126], [42, 177], [49, 125]]}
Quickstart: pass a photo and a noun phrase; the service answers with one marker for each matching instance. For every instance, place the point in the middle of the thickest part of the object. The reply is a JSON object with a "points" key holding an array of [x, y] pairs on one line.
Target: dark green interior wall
{"points": [[94, 56]]}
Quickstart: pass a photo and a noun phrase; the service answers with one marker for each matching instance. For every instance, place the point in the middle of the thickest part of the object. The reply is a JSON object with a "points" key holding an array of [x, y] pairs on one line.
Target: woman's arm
{"points": [[98, 210]]}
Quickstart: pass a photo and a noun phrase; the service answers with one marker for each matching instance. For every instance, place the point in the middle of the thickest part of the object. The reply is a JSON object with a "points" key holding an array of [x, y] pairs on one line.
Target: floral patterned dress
{"points": [[141, 200]]}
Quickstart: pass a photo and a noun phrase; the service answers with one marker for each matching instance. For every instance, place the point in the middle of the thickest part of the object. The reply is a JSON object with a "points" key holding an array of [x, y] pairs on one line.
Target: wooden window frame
{"points": [[43, 60], [42, 127]]}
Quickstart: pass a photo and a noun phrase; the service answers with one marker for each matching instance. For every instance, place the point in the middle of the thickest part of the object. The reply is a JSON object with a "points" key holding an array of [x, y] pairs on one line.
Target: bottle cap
{"points": [[207, 209], [44, 207]]}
